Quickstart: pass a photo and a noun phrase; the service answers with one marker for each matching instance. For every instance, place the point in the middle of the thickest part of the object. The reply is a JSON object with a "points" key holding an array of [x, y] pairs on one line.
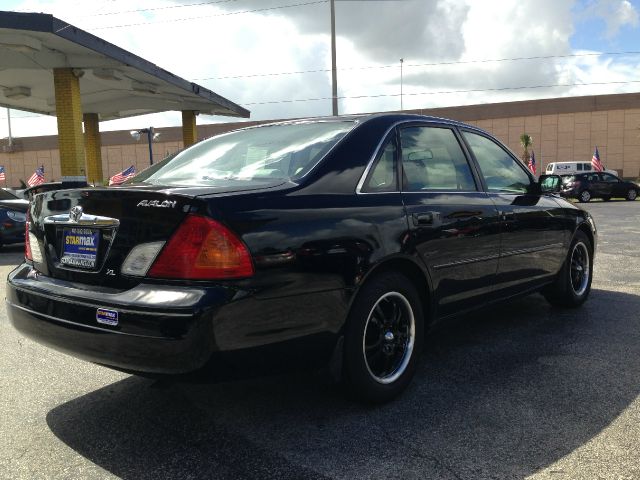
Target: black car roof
{"points": [[364, 118]]}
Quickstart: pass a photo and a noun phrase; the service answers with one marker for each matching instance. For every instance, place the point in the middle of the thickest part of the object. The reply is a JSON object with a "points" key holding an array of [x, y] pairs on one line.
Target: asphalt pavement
{"points": [[518, 391]]}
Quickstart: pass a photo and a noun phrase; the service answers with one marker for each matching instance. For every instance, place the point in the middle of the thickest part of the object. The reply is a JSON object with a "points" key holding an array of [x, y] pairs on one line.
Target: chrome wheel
{"points": [[389, 336], [580, 268], [585, 196], [632, 194]]}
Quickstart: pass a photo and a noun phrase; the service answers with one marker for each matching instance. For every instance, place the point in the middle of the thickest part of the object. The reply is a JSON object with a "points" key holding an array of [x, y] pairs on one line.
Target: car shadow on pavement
{"points": [[501, 393]]}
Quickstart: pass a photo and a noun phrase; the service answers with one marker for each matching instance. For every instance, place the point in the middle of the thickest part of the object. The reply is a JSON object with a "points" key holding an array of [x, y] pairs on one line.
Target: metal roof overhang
{"points": [[114, 83]]}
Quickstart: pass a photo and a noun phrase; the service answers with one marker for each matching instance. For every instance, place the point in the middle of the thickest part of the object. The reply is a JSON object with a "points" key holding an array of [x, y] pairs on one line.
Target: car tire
{"points": [[631, 195], [573, 283], [584, 196], [383, 338]]}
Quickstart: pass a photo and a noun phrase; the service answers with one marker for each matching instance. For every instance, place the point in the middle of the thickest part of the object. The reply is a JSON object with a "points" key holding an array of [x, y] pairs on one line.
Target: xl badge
{"points": [[108, 317], [75, 213]]}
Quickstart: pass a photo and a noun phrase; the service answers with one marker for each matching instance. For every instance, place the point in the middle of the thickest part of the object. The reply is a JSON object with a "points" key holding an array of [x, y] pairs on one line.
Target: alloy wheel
{"points": [[389, 336], [580, 270]]}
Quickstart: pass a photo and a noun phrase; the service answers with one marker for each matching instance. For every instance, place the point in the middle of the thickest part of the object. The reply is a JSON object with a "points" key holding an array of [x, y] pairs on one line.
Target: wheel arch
{"points": [[413, 270], [586, 229]]}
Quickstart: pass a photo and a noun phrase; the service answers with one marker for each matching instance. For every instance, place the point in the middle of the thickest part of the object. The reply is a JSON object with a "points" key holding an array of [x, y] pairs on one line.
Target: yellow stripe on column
{"points": [[69, 116]]}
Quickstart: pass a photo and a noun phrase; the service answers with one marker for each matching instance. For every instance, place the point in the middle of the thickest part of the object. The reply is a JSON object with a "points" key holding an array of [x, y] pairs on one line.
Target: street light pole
{"points": [[150, 140], [151, 136], [334, 71]]}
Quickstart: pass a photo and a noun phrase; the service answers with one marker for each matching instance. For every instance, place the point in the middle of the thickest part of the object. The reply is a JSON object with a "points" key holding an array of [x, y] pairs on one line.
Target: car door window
{"points": [[383, 176], [432, 159], [501, 171], [609, 178]]}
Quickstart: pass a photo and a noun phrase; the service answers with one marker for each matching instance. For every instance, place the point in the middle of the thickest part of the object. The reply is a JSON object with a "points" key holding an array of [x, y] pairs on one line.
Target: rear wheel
{"points": [[573, 283], [585, 196], [631, 194], [383, 339]]}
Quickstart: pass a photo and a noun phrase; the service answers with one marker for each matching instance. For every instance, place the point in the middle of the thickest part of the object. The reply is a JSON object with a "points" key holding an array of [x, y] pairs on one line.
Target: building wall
{"points": [[573, 137], [563, 129]]}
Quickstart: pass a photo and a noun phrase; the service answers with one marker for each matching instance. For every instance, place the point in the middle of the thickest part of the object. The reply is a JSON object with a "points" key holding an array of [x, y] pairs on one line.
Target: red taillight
{"points": [[200, 249], [27, 244]]}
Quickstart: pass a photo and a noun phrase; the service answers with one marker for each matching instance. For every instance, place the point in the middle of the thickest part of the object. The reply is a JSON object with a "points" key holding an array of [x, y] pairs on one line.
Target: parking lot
{"points": [[518, 391]]}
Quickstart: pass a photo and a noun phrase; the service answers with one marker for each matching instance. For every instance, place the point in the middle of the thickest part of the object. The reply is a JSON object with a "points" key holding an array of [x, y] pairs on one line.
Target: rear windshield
{"points": [[254, 155]]}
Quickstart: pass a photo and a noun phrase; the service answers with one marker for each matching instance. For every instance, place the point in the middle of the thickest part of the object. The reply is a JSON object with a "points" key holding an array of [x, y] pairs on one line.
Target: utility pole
{"points": [[334, 71], [9, 122], [401, 62]]}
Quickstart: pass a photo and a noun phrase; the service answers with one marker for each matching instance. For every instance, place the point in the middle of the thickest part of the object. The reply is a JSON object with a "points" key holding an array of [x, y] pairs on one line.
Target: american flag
{"points": [[37, 178], [120, 177], [532, 162], [3, 176], [595, 161]]}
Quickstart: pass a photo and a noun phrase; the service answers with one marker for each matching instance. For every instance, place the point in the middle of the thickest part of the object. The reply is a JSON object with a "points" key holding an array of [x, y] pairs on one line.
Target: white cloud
{"points": [[615, 13], [371, 34]]}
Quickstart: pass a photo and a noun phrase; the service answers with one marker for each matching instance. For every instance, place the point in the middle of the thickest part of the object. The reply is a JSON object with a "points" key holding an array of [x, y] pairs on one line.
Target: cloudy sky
{"points": [[273, 56]]}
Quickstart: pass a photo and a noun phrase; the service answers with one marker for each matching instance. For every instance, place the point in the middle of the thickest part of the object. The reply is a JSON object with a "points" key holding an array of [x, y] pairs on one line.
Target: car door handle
{"points": [[423, 218]]}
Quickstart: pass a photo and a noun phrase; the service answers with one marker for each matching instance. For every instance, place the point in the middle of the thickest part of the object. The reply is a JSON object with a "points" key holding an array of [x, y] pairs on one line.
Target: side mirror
{"points": [[550, 183]]}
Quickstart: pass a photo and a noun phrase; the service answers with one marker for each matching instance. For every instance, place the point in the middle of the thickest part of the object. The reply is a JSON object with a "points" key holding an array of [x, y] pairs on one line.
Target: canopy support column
{"points": [[189, 129], [69, 116], [92, 145]]}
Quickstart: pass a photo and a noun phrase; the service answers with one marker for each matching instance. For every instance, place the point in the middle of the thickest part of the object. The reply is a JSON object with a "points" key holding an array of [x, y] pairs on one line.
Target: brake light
{"points": [[27, 243], [200, 249]]}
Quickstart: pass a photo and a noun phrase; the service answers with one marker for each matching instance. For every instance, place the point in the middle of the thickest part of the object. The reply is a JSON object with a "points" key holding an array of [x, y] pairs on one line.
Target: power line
{"points": [[431, 64], [255, 10], [475, 90], [167, 7]]}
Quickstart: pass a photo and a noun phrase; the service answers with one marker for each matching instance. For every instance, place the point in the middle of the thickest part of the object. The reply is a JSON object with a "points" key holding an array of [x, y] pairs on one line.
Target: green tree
{"points": [[526, 141]]}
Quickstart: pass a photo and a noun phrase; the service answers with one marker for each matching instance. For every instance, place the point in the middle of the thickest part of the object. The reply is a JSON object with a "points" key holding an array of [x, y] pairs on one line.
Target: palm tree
{"points": [[526, 141]]}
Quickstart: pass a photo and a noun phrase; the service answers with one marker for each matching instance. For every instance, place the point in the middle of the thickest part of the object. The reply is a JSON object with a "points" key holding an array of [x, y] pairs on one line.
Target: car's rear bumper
{"points": [[161, 328]]}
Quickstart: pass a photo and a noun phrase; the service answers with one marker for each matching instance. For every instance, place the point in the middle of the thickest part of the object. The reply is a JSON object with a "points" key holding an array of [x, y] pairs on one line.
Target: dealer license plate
{"points": [[80, 247]]}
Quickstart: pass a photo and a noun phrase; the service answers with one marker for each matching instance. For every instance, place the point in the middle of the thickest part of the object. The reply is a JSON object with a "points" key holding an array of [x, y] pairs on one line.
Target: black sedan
{"points": [[341, 238], [13, 215], [606, 186]]}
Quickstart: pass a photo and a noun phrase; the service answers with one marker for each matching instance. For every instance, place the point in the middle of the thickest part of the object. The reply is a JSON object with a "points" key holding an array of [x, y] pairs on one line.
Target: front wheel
{"points": [[383, 338], [573, 283], [631, 195], [585, 196]]}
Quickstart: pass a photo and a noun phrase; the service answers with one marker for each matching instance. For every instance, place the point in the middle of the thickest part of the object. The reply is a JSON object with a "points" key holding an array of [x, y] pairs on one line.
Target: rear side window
{"points": [[383, 177], [501, 171], [432, 159]]}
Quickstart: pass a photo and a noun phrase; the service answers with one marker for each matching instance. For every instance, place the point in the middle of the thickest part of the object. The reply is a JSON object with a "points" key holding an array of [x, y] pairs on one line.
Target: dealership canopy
{"points": [[50, 67], [114, 83]]}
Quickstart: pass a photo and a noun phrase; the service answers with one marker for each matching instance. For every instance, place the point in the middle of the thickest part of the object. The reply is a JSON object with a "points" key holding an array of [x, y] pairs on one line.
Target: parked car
{"points": [[343, 238], [13, 211], [603, 185]]}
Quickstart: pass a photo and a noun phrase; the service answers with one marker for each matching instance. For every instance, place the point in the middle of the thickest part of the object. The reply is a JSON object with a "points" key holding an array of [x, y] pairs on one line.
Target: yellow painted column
{"points": [[92, 146], [189, 129], [69, 115]]}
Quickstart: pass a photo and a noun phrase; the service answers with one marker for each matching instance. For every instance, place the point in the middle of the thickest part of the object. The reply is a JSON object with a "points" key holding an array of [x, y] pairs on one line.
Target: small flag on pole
{"points": [[595, 161], [120, 177], [3, 176], [37, 178], [532, 162]]}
